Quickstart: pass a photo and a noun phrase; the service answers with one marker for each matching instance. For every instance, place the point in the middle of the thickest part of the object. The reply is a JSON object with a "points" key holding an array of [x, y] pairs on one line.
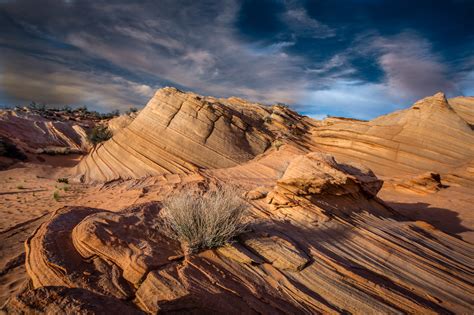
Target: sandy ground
{"points": [[27, 199]]}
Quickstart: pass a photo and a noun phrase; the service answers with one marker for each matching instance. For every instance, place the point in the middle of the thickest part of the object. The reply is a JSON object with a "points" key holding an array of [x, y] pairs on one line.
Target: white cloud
{"points": [[412, 69], [300, 22]]}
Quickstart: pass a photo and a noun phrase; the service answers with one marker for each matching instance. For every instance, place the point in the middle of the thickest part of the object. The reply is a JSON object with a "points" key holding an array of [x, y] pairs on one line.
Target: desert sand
{"points": [[346, 216]]}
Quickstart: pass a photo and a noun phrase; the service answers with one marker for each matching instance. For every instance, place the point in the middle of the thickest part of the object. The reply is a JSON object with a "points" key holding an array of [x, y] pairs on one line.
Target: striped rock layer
{"points": [[320, 243], [35, 134], [432, 135], [180, 132]]}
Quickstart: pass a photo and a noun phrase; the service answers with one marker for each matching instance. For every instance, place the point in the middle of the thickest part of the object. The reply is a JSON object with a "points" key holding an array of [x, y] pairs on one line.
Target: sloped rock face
{"points": [[464, 107], [118, 123], [330, 246], [429, 136], [179, 132], [35, 134]]}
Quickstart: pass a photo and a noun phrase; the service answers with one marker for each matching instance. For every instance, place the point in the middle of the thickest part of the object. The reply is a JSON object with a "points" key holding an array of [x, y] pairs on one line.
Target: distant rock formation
{"points": [[179, 132], [431, 135], [33, 133], [118, 123]]}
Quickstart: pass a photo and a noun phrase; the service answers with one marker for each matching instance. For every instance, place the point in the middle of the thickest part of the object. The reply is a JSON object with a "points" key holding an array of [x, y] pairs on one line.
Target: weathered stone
{"points": [[277, 250]]}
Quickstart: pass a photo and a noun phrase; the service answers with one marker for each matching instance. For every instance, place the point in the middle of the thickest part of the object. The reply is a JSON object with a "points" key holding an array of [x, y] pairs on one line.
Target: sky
{"points": [[352, 58]]}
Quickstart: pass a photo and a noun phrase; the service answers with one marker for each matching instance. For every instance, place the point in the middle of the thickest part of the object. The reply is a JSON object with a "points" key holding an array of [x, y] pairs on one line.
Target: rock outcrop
{"points": [[431, 135], [332, 247], [464, 107], [118, 123], [181, 132], [33, 133]]}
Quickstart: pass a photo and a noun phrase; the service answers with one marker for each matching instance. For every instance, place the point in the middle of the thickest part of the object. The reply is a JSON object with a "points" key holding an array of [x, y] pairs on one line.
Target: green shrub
{"points": [[206, 221], [63, 180], [277, 144], [131, 110], [99, 133], [56, 196]]}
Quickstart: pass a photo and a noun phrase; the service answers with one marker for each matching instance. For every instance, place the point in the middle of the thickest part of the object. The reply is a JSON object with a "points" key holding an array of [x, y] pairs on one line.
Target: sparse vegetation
{"points": [[283, 105], [131, 110], [277, 144], [99, 133], [205, 221], [66, 112], [20, 187], [56, 196], [63, 180]]}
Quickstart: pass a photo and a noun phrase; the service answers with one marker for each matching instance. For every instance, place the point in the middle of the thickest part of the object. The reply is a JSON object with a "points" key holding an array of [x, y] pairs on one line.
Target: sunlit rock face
{"points": [[431, 135], [180, 132]]}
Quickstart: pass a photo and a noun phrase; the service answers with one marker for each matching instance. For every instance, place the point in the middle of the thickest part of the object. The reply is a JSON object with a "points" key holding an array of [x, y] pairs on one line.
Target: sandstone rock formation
{"points": [[180, 132], [463, 106], [320, 242], [321, 239], [35, 134], [429, 136], [422, 184], [117, 123]]}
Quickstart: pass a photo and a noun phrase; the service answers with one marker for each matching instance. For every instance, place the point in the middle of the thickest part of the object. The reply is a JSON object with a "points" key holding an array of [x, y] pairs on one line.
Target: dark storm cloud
{"points": [[356, 58]]}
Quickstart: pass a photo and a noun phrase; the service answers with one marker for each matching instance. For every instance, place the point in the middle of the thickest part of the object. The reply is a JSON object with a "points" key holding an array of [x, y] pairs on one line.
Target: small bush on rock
{"points": [[205, 221], [63, 180], [99, 133], [56, 196]]}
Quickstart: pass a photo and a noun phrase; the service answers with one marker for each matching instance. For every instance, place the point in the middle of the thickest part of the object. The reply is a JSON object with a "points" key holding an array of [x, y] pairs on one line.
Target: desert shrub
{"points": [[56, 195], [277, 144], [99, 133], [283, 105], [20, 187], [205, 221], [131, 110], [63, 180]]}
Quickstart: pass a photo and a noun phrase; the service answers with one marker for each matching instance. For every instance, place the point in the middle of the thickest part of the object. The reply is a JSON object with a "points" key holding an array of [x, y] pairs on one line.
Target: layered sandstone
{"points": [[117, 123], [320, 242], [33, 133], [431, 135], [463, 106], [180, 132]]}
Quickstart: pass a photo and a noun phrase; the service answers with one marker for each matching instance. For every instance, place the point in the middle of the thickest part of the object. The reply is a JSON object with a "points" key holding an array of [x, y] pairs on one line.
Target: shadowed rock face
{"points": [[180, 132], [429, 136], [320, 242], [35, 134]]}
